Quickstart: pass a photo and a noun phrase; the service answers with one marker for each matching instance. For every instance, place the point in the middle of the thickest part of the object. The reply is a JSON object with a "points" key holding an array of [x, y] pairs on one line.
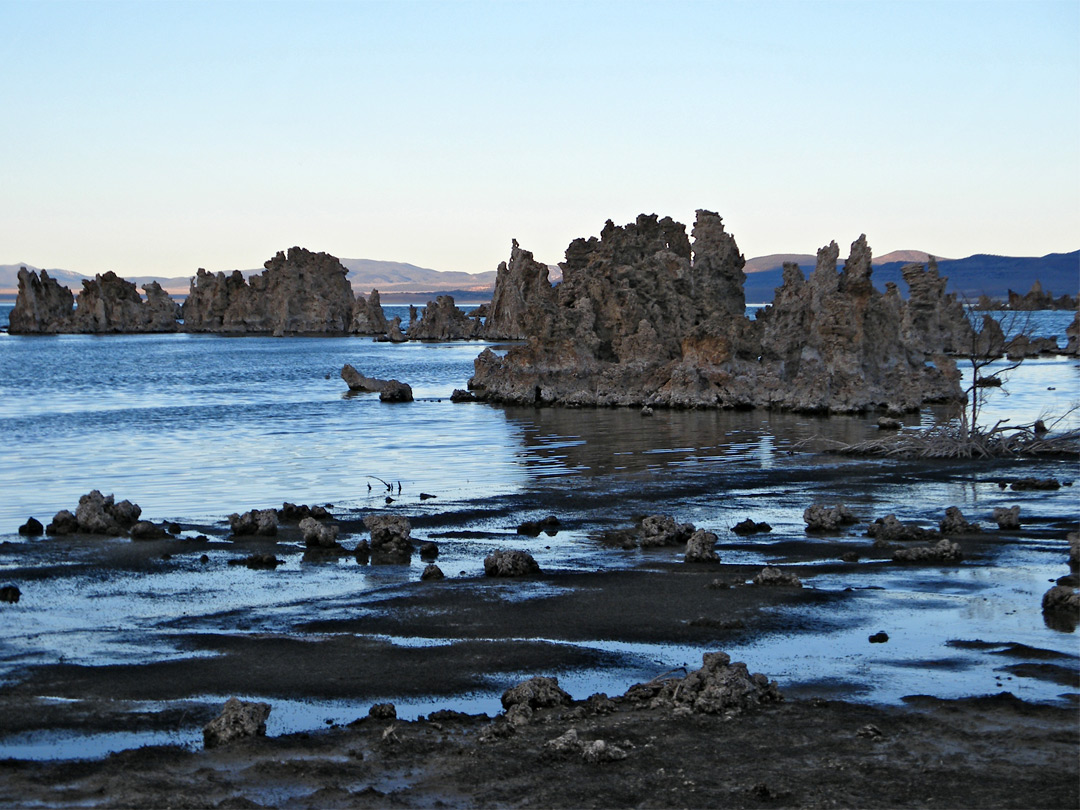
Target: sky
{"points": [[154, 138]]}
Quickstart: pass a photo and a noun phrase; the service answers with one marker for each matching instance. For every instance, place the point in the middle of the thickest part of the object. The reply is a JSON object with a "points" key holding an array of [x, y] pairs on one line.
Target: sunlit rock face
{"points": [[298, 293], [645, 316]]}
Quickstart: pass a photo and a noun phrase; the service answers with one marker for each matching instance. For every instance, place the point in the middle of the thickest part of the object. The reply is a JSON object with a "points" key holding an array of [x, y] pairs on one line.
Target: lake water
{"points": [[194, 427]]}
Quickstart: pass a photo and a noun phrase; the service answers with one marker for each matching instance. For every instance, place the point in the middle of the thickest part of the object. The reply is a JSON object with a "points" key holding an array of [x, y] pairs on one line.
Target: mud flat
{"points": [[970, 701]]}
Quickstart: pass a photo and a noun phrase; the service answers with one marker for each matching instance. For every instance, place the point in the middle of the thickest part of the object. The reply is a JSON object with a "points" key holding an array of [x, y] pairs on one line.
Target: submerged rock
{"points": [[258, 562], [239, 719], [432, 573], [532, 528], [645, 318], [1035, 484], [514, 563], [145, 530], [292, 512]]}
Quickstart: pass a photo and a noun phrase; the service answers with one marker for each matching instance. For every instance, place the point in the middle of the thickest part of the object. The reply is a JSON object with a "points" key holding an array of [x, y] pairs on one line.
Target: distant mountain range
{"points": [[976, 275], [1059, 273]]}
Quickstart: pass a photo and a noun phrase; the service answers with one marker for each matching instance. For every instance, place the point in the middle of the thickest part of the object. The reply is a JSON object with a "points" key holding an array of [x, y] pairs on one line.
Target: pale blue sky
{"points": [[158, 137]]}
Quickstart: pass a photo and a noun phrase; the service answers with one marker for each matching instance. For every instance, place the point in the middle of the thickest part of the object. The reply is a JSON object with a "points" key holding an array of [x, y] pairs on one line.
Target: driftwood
{"points": [[951, 441]]}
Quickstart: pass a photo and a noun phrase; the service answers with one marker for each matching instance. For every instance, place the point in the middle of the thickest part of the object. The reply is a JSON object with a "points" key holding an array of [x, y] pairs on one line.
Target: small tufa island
{"points": [[644, 316]]}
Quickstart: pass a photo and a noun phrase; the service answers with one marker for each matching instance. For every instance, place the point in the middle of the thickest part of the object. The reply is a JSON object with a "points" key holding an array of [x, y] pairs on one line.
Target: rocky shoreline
{"points": [[674, 739]]}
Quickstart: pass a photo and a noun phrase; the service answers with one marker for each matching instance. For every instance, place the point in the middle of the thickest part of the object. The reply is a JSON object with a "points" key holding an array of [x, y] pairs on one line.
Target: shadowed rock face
{"points": [[645, 317], [298, 293]]}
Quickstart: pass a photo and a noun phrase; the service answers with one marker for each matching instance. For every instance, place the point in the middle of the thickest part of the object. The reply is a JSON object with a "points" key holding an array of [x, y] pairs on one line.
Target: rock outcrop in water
{"points": [[43, 306], [367, 316], [1038, 298], [523, 300], [106, 303], [442, 320], [96, 514], [645, 317], [298, 293]]}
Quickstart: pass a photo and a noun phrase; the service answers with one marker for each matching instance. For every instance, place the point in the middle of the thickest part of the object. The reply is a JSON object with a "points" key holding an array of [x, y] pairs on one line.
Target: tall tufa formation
{"points": [[106, 303], [43, 306], [298, 293], [367, 316], [645, 317], [523, 300]]}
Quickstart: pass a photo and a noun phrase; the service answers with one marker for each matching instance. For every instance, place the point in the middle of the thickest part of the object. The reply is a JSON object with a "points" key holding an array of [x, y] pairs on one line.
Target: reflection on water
{"points": [[604, 441]]}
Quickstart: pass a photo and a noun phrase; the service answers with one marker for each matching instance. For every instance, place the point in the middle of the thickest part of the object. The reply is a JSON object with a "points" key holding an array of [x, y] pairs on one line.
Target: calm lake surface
{"points": [[199, 426], [194, 427]]}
